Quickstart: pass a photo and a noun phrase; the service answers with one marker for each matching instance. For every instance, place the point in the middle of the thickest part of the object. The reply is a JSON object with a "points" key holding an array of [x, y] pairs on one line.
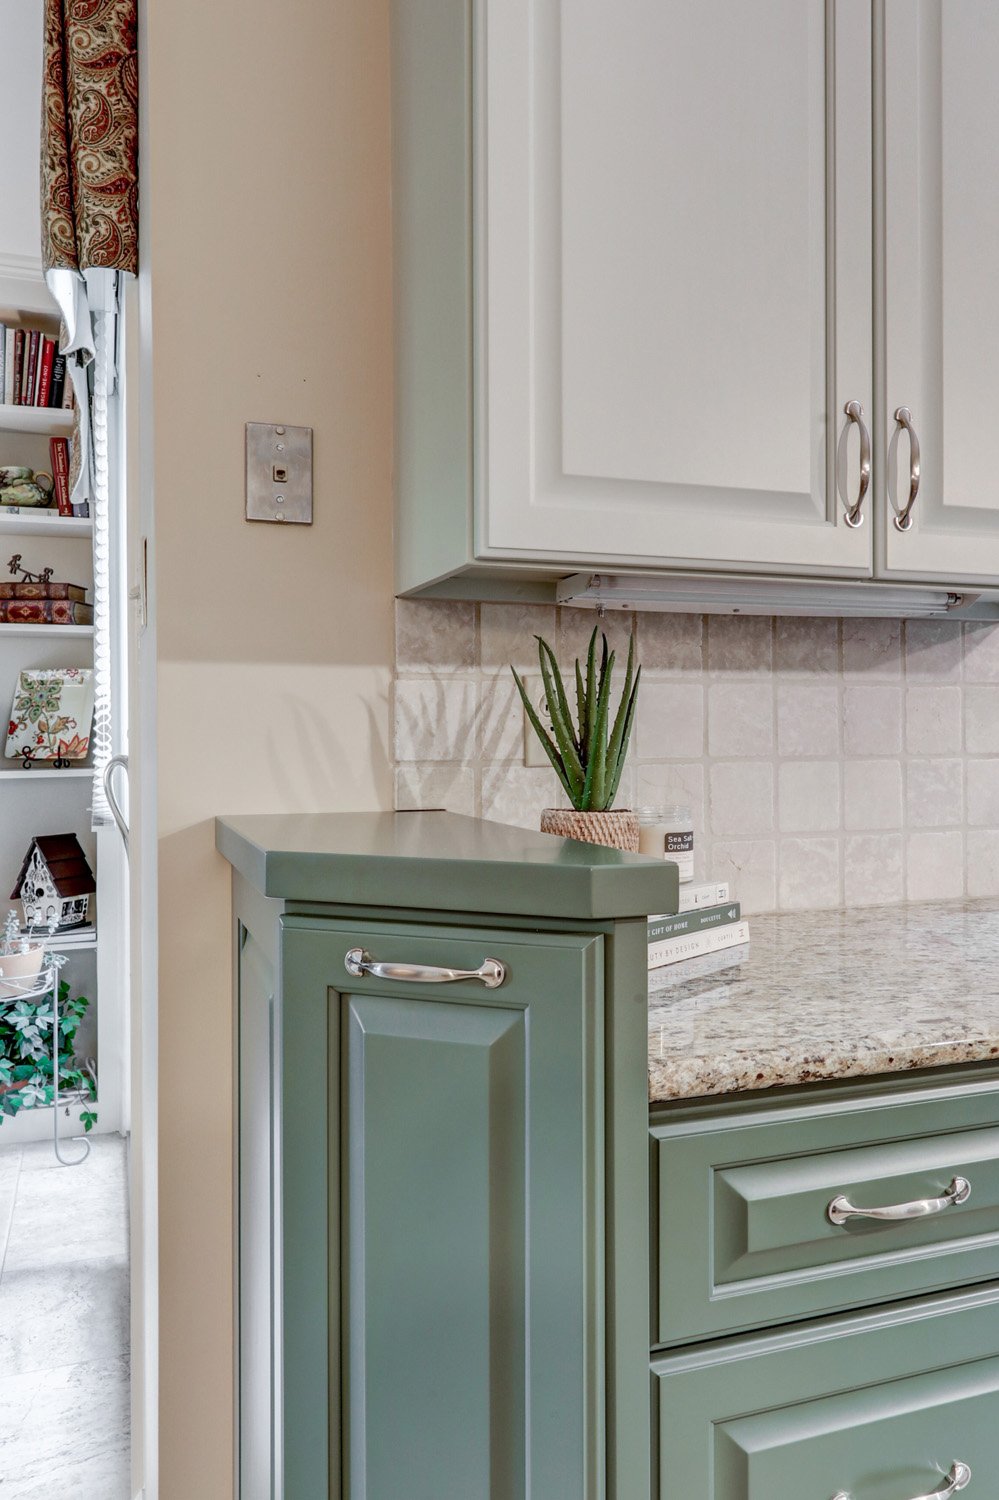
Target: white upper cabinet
{"points": [[942, 286], [673, 282]]}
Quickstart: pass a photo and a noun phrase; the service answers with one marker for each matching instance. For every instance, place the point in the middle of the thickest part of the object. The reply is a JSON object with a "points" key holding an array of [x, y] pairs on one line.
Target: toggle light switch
{"points": [[278, 473]]}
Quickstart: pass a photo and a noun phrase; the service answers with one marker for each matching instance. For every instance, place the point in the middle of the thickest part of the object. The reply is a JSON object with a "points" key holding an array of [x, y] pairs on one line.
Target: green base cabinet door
{"points": [[876, 1407], [438, 1318]]}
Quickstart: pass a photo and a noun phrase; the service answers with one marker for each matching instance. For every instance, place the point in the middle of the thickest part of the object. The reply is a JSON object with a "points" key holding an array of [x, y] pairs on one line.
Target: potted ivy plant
{"points": [[587, 752]]}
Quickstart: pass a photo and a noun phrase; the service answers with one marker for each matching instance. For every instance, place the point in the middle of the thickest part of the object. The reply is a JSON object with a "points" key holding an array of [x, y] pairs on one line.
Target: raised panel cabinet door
{"points": [[865, 1409], [461, 1140], [942, 296], [673, 281]]}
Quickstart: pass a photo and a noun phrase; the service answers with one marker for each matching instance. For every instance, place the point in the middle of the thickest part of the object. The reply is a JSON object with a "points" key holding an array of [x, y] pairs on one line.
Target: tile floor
{"points": [[64, 1392]]}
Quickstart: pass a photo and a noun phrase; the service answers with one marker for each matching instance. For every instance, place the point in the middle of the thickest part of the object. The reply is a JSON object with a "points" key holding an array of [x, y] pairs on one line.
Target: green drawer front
{"points": [[744, 1237], [868, 1407]]}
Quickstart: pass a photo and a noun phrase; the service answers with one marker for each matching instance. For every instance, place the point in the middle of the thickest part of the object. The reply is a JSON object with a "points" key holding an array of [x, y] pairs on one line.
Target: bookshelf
{"points": [[65, 632], [37, 773], [46, 523], [48, 421]]}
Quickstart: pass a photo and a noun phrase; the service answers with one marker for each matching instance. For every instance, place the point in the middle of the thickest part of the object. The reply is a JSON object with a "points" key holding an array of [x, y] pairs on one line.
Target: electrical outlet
{"points": [[534, 754]]}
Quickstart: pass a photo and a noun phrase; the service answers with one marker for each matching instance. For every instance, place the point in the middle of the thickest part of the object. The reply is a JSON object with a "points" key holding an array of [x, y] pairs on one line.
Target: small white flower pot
{"points": [[19, 967]]}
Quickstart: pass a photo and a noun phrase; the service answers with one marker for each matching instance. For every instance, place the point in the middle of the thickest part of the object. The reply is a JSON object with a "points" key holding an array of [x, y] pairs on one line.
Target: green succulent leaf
{"points": [[625, 737], [595, 789], [617, 733], [542, 735], [558, 712]]}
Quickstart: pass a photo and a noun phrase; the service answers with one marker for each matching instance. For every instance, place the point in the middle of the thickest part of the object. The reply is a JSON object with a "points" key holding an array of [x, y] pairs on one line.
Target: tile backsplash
{"points": [[827, 762]]}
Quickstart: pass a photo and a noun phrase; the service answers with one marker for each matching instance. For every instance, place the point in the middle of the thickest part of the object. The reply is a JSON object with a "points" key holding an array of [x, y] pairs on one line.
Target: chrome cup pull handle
{"points": [[958, 1476], [855, 516], [959, 1191], [358, 962], [903, 519]]}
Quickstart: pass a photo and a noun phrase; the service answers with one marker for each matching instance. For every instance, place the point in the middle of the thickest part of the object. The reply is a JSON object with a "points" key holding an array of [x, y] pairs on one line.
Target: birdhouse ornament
{"points": [[55, 883]]}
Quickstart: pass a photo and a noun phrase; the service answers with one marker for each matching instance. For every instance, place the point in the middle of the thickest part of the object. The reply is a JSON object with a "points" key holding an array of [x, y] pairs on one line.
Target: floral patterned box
{"points": [[52, 715]]}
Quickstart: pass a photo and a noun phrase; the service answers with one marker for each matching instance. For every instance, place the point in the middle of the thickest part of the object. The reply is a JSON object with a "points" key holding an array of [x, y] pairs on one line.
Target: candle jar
{"points": [[668, 833]]}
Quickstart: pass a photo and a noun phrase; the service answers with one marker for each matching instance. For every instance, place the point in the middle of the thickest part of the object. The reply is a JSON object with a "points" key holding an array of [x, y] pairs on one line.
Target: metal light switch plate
{"points": [[278, 473]]}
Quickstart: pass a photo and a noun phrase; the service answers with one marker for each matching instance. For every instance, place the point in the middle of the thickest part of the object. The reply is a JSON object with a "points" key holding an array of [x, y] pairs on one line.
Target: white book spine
{"points": [[691, 945], [8, 367], [711, 893]]}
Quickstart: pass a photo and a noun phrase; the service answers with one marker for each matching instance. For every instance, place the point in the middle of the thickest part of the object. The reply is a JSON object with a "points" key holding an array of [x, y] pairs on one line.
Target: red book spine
{"points": [[59, 458], [44, 612], [18, 364], [45, 377], [30, 371]]}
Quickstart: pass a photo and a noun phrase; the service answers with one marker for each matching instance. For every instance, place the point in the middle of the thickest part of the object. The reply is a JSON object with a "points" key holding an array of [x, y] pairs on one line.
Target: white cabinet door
{"points": [[942, 286], [673, 281]]}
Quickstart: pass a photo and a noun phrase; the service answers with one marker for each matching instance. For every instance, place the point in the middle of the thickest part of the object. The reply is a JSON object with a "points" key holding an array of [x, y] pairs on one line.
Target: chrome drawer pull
{"points": [[903, 520], [841, 1209], [359, 962], [958, 1477], [855, 515]]}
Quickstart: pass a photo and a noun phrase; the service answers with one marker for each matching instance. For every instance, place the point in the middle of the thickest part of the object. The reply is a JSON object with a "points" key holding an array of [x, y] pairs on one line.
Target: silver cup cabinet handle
{"points": [[855, 412], [959, 1191], [958, 1476], [358, 962], [903, 520]]}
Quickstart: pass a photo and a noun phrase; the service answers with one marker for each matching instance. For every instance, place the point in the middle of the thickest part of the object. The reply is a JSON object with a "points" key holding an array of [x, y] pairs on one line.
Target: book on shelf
{"points": [[45, 612], [59, 459], [707, 893], [83, 936], [673, 950], [698, 920], [33, 370], [51, 590], [49, 517]]}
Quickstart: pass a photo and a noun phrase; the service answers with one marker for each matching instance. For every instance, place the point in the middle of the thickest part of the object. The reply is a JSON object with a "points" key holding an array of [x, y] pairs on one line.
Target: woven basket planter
{"points": [[616, 830]]}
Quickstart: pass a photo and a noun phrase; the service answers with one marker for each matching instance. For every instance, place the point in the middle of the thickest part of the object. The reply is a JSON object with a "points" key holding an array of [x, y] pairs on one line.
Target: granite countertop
{"points": [[823, 995]]}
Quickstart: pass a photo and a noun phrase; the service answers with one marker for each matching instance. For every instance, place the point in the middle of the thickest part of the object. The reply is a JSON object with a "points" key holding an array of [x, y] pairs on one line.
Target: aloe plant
{"points": [[588, 753]]}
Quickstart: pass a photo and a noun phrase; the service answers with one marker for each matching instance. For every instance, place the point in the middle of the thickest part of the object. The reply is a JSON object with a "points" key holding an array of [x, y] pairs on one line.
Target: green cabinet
{"points": [[867, 1407], [442, 1295], [741, 1216]]}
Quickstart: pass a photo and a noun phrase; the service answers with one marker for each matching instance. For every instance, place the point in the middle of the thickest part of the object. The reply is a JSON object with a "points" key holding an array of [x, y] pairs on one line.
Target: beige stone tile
{"points": [[750, 867], [670, 720], [872, 720], [872, 869], [872, 794], [740, 718], [507, 634], [981, 720], [670, 643], [981, 651], [676, 784], [806, 645], [434, 635], [426, 786], [982, 857], [934, 649], [809, 876], [932, 720], [808, 796], [872, 649], [739, 643], [934, 792], [741, 797], [934, 866], [575, 626], [517, 794], [501, 716], [807, 718], [435, 719], [982, 781]]}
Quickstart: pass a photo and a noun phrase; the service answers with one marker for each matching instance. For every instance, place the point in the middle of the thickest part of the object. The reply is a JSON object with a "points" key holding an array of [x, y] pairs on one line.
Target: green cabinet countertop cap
{"points": [[441, 861]]}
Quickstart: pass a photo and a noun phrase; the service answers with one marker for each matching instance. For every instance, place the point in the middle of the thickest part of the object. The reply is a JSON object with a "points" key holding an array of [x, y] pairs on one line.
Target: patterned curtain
{"points": [[90, 238], [90, 136]]}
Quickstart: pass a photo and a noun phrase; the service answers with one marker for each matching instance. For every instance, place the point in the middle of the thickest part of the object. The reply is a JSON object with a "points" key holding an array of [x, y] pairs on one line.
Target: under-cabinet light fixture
{"points": [[714, 595]]}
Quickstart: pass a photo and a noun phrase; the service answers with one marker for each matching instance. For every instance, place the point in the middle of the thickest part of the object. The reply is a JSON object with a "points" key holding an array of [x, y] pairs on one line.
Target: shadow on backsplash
{"points": [[827, 762]]}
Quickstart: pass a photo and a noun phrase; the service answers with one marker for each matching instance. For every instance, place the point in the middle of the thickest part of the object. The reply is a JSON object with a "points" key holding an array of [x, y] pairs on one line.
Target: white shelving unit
{"points": [[50, 421], [44, 800]]}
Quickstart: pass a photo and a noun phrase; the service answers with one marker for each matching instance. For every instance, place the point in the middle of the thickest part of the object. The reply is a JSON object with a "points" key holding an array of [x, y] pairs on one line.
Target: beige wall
{"points": [[267, 216]]}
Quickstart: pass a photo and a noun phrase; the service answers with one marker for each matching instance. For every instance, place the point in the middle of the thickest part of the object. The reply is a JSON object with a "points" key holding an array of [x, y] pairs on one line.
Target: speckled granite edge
{"points": [[819, 996]]}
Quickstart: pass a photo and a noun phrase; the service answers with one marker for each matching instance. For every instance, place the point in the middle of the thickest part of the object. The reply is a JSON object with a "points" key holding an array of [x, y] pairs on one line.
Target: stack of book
{"points": [[34, 372], [51, 603], [708, 921]]}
